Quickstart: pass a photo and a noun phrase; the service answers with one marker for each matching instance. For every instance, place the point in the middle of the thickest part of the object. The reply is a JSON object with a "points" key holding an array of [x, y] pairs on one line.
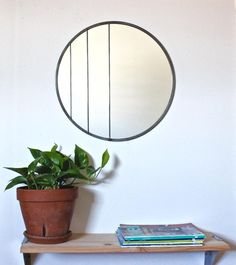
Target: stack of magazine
{"points": [[159, 235]]}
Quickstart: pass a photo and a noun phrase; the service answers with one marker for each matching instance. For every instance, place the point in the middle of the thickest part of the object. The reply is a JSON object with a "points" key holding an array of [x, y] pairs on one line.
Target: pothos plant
{"points": [[55, 170]]}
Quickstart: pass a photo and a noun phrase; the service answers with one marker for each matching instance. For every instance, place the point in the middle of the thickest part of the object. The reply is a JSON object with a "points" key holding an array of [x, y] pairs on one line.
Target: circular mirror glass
{"points": [[115, 81]]}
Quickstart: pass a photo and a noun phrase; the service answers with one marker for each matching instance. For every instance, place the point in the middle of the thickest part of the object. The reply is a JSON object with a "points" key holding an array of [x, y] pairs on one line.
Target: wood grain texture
{"points": [[108, 243]]}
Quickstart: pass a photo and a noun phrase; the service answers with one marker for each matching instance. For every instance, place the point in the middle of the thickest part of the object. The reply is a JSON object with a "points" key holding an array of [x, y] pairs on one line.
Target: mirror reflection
{"points": [[115, 81]]}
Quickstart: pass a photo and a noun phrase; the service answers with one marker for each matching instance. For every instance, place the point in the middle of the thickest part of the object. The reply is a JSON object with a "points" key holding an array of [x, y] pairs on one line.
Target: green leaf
{"points": [[105, 158], [52, 169], [42, 169], [23, 170], [45, 160], [46, 180], [32, 166], [36, 153], [81, 157], [55, 157], [16, 181], [72, 173], [90, 170], [54, 148], [67, 163]]}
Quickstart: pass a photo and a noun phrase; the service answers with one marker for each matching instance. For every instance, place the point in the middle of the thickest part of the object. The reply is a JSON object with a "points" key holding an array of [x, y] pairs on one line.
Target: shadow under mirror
{"points": [[115, 81]]}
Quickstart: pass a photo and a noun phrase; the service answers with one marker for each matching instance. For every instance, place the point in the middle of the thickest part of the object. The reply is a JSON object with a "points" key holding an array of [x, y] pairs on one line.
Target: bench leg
{"points": [[27, 258], [210, 257]]}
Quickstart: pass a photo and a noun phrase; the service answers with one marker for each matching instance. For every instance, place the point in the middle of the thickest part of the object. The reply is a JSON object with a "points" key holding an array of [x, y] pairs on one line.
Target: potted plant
{"points": [[50, 187]]}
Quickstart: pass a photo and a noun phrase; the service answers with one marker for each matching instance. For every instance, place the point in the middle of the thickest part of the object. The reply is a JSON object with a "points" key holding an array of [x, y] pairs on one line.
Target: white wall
{"points": [[182, 171]]}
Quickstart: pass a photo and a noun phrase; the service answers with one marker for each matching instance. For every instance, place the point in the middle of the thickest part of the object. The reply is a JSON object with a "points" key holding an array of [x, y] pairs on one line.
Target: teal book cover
{"points": [[158, 232], [157, 243]]}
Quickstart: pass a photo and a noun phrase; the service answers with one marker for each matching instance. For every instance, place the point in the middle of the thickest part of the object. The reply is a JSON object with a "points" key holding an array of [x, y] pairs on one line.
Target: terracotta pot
{"points": [[47, 213]]}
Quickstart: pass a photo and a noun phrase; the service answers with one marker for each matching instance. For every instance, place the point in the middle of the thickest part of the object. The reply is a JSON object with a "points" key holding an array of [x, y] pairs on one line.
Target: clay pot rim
{"points": [[63, 188], [64, 194]]}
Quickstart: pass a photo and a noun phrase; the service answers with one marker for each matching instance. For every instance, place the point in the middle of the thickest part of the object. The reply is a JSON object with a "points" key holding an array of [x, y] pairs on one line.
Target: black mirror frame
{"points": [[172, 91]]}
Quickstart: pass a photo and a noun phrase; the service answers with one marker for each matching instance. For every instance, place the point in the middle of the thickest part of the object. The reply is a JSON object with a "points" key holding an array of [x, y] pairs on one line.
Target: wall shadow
{"points": [[219, 237], [230, 242], [86, 200], [108, 176], [83, 208]]}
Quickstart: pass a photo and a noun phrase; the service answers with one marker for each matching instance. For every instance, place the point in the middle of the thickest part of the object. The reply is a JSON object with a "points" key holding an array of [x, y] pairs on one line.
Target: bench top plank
{"points": [[108, 243]]}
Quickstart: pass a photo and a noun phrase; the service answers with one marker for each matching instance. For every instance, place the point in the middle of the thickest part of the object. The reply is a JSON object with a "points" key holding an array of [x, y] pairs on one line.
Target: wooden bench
{"points": [[108, 243]]}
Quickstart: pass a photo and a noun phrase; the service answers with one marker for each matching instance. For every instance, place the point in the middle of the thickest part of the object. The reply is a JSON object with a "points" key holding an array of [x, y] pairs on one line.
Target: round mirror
{"points": [[115, 81]]}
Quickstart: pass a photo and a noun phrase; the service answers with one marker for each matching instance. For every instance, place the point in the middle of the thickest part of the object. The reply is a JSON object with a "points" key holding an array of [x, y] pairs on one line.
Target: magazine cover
{"points": [[158, 232], [158, 243]]}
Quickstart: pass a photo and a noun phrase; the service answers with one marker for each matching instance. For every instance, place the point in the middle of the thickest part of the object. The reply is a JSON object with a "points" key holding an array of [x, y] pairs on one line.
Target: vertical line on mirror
{"points": [[109, 77], [87, 45], [70, 81]]}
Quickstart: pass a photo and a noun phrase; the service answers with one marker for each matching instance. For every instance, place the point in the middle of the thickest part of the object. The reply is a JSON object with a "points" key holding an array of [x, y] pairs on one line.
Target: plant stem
{"points": [[36, 186]]}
